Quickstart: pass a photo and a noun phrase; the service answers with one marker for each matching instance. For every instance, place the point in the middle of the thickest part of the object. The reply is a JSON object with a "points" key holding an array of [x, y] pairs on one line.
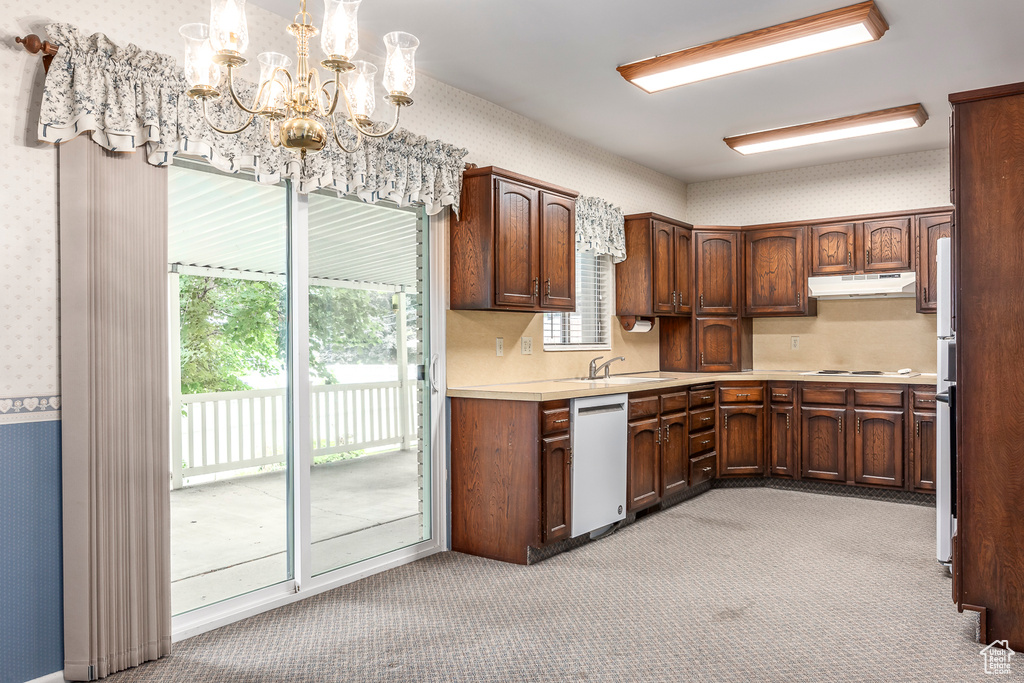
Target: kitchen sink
{"points": [[619, 379]]}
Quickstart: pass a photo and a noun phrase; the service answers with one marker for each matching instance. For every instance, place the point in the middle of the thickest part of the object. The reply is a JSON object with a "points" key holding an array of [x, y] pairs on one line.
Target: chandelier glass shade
{"points": [[297, 107]]}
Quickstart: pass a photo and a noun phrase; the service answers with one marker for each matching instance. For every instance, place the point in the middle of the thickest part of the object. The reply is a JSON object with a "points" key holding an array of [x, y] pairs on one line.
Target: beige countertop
{"points": [[553, 390]]}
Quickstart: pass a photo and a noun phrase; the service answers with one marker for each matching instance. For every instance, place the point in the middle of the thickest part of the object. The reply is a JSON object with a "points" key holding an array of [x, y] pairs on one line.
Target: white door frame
{"points": [[303, 584]]}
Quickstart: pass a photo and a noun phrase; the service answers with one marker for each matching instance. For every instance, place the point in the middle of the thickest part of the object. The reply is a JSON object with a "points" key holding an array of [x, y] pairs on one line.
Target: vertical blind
{"points": [[588, 325]]}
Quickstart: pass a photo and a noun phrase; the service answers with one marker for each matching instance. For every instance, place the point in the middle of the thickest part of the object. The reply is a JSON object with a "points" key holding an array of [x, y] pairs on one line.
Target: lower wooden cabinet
{"points": [[556, 481], [782, 448], [643, 464], [922, 454], [702, 468], [675, 453], [823, 443], [878, 449], [741, 440]]}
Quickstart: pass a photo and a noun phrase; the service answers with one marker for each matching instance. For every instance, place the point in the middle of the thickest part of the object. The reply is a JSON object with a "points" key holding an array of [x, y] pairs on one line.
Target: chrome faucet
{"points": [[595, 368]]}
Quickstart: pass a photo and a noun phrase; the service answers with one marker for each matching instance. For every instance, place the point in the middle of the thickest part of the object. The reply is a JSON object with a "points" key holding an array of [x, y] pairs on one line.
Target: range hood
{"points": [[863, 286]]}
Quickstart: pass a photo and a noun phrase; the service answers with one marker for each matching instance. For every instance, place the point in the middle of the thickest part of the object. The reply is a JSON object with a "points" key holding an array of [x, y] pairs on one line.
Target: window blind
{"points": [[589, 325]]}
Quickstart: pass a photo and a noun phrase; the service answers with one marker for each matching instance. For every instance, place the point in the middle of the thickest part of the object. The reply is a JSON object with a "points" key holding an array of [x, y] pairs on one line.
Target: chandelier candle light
{"points": [[290, 103]]}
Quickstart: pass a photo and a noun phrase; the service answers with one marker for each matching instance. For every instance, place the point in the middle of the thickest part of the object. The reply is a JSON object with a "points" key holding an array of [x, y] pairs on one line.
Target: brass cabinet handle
{"points": [[725, 423], [924, 295], [780, 395], [867, 256], [548, 281], [787, 421], [705, 419], [798, 294], [917, 428], [706, 397], [926, 400], [739, 395], [570, 457], [702, 301], [707, 469], [858, 425], [849, 257], [558, 422], [705, 442], [702, 353], [840, 424], [536, 286], [658, 437]]}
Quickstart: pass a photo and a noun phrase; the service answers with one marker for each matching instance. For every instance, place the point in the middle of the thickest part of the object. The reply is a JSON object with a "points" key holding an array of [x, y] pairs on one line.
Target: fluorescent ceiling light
{"points": [[860, 23], [883, 121]]}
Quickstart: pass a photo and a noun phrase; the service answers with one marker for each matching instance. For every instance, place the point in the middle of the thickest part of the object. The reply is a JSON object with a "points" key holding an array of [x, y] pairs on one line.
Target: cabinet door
{"points": [[683, 257], [823, 443], [644, 468], [783, 429], [878, 455], [717, 273], [885, 245], [923, 455], [878, 449], [663, 268], [929, 230], [741, 441], [832, 249], [718, 345], [517, 249], [556, 482], [557, 252], [775, 272], [675, 456]]}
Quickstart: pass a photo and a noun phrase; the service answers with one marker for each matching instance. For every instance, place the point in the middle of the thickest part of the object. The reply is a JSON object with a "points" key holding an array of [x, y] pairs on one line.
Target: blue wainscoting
{"points": [[31, 601]]}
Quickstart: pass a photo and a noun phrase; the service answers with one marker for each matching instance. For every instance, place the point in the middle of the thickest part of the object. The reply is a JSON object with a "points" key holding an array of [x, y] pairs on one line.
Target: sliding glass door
{"points": [[301, 434]]}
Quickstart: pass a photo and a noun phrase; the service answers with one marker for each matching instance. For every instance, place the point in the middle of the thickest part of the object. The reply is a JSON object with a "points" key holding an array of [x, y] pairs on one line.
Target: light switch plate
{"points": [[794, 343], [527, 346], [499, 346]]}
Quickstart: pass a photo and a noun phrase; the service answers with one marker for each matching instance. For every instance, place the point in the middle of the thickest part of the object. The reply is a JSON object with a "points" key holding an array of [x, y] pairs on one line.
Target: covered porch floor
{"points": [[229, 537]]}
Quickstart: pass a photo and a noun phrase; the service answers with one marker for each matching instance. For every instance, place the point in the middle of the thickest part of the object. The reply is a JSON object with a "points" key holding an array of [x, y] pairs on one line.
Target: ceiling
{"points": [[230, 222], [554, 61]]}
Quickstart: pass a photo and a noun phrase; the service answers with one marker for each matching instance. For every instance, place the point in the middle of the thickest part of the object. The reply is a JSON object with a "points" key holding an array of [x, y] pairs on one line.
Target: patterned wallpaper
{"points": [[29, 322], [895, 183]]}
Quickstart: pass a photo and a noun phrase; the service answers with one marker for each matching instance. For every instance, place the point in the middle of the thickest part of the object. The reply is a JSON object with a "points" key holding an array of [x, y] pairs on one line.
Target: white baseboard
{"points": [[55, 677]]}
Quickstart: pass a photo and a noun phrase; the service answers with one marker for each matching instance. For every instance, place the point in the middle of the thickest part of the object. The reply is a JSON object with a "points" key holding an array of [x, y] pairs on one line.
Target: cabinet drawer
{"points": [[702, 468], [702, 397], [885, 398], [783, 394], [702, 419], [702, 442], [646, 406], [827, 395], [674, 402], [924, 399], [741, 394], [554, 420]]}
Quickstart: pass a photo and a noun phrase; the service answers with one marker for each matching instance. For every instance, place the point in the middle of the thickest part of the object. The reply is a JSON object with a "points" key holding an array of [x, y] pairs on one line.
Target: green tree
{"points": [[234, 328]]}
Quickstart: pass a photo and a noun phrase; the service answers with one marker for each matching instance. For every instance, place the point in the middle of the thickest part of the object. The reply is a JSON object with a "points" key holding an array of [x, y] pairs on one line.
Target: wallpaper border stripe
{"points": [[37, 408]]}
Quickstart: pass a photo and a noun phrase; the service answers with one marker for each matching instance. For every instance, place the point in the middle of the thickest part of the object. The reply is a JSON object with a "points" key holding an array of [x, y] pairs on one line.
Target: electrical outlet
{"points": [[794, 343], [527, 346], [499, 346]]}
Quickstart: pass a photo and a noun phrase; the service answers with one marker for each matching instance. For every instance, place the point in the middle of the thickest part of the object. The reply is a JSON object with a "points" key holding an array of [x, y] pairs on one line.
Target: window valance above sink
{"points": [[600, 228], [127, 97]]}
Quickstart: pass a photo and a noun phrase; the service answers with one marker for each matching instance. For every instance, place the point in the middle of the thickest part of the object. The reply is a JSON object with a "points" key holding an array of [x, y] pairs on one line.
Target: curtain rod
{"points": [[35, 45]]}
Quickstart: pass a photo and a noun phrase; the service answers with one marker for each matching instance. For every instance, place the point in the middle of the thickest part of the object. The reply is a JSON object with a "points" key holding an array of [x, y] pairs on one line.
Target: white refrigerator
{"points": [[945, 407]]}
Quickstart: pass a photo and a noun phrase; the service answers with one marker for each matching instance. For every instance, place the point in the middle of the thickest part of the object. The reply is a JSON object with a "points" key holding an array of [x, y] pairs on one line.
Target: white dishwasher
{"points": [[598, 462]]}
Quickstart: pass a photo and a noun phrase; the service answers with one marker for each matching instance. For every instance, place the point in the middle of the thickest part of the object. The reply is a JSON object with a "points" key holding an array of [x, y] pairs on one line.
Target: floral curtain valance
{"points": [[600, 228], [128, 97]]}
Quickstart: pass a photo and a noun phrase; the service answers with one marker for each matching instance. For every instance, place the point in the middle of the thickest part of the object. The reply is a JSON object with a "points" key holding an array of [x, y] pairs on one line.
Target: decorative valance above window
{"points": [[600, 228], [129, 97]]}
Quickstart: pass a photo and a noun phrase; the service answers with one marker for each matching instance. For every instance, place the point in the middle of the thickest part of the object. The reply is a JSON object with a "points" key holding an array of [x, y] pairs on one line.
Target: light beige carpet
{"points": [[735, 585]]}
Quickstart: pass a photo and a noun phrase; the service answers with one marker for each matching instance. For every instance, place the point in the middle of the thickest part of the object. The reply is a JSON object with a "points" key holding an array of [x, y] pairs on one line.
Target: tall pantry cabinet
{"points": [[988, 195]]}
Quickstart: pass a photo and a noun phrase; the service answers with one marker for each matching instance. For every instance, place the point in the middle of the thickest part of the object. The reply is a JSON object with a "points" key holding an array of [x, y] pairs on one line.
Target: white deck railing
{"points": [[234, 430]]}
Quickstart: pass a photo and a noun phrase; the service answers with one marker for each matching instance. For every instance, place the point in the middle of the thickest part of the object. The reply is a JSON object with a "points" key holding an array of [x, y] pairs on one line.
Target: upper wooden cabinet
{"points": [[776, 272], [723, 344], [886, 245], [513, 247], [716, 272], [832, 248], [929, 230], [654, 280]]}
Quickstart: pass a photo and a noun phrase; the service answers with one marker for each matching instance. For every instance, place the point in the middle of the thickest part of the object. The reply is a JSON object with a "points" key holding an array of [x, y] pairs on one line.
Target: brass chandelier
{"points": [[291, 105]]}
